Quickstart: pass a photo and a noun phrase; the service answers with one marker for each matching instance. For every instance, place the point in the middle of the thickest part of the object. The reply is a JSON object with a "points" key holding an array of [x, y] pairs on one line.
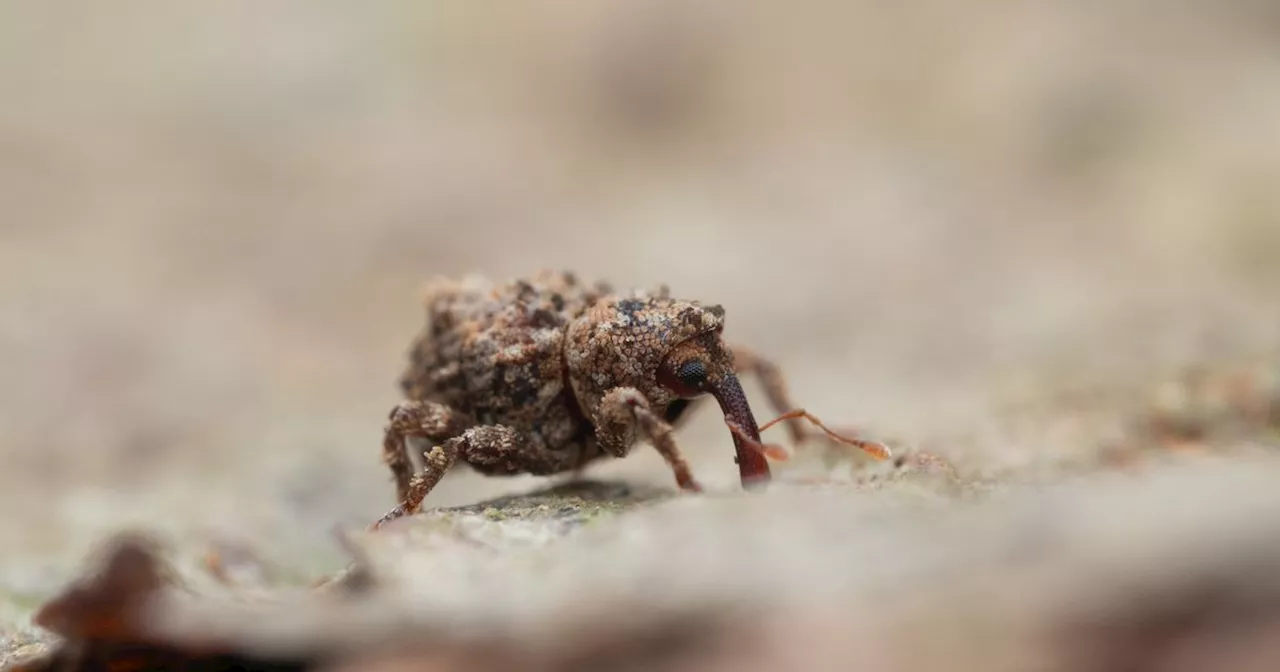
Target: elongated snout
{"points": [[752, 465]]}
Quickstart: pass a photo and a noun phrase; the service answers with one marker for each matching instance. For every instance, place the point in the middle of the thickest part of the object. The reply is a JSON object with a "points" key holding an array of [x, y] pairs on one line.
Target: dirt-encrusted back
{"points": [[495, 351]]}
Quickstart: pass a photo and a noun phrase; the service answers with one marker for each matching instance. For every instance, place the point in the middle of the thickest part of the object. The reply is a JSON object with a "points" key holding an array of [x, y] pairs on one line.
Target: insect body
{"points": [[547, 374]]}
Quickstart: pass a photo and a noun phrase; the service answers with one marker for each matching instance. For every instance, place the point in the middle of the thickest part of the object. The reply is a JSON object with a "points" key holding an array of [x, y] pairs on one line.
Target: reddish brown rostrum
{"points": [[545, 375]]}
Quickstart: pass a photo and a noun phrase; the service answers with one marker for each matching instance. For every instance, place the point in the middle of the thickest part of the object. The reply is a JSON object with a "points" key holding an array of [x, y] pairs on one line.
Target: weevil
{"points": [[547, 374]]}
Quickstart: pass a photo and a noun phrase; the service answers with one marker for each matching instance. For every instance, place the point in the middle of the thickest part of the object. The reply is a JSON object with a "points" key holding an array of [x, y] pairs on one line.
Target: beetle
{"points": [[547, 374]]}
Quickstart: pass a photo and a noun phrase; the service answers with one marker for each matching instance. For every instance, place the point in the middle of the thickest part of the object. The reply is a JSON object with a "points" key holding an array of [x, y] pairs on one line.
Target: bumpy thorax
{"points": [[621, 342], [646, 343]]}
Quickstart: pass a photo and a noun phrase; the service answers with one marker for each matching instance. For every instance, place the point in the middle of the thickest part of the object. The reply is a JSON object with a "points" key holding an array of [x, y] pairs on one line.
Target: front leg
{"points": [[624, 416]]}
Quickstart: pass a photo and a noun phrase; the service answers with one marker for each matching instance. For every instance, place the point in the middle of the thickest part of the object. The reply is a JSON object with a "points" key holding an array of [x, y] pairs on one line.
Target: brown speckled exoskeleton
{"points": [[544, 375]]}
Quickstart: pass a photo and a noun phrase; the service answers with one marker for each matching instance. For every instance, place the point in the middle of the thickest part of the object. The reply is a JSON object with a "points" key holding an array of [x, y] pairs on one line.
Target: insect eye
{"points": [[692, 373]]}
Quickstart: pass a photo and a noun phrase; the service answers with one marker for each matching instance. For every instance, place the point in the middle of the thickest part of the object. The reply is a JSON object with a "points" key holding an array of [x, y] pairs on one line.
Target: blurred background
{"points": [[216, 219]]}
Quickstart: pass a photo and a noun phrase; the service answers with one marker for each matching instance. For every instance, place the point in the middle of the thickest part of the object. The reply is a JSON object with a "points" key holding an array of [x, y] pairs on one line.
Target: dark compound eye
{"points": [[692, 373]]}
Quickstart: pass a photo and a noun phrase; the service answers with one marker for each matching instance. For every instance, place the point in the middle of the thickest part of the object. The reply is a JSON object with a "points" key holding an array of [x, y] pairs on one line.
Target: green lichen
{"points": [[577, 502]]}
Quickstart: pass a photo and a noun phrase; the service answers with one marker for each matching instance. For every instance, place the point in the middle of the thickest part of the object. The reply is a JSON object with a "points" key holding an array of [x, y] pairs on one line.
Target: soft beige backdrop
{"points": [[216, 218]]}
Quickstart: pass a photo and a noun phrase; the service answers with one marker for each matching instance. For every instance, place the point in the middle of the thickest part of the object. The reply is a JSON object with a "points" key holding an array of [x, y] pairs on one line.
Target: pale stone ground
{"points": [[943, 226]]}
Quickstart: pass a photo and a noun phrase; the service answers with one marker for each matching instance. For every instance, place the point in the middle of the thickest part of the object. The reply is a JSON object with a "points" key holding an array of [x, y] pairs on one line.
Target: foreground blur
{"points": [[216, 219]]}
